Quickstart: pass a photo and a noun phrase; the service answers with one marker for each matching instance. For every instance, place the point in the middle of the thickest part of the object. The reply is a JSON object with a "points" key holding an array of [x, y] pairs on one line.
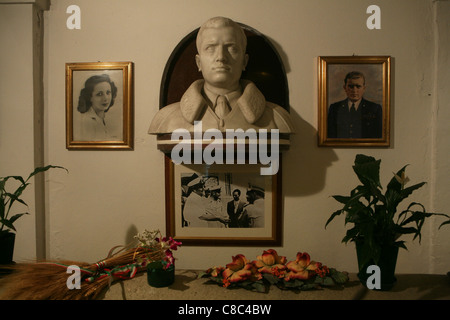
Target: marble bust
{"points": [[221, 100]]}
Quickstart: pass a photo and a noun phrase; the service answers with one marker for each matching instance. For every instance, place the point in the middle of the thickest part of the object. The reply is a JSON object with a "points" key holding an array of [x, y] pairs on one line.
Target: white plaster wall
{"points": [[109, 196], [16, 115], [439, 246]]}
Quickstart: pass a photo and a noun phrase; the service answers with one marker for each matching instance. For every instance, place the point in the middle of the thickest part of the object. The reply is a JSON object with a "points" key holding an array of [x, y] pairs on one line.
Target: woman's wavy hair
{"points": [[84, 101]]}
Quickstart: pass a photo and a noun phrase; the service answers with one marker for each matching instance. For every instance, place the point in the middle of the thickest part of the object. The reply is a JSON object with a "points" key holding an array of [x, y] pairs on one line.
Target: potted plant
{"points": [[377, 225], [157, 258], [7, 219]]}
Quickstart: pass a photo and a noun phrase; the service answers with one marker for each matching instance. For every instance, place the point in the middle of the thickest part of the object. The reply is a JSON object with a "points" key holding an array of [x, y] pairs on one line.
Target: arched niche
{"points": [[264, 68]]}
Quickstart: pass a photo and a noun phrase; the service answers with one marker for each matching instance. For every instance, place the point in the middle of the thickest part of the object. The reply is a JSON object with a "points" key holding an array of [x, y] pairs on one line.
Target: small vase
{"points": [[387, 263], [159, 277]]}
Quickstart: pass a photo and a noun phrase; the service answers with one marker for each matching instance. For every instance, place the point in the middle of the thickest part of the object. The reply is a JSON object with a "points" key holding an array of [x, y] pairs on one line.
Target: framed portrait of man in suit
{"points": [[354, 101]]}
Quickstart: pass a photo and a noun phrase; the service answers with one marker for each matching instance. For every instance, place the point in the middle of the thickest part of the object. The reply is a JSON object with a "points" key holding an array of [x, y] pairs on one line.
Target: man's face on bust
{"points": [[354, 88], [221, 57]]}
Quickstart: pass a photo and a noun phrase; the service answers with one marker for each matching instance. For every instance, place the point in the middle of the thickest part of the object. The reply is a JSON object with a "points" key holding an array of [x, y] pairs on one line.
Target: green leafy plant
{"points": [[376, 222], [7, 199]]}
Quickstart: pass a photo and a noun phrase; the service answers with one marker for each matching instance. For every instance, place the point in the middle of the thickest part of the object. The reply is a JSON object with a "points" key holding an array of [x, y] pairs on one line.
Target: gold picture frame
{"points": [[367, 125], [182, 178], [99, 106]]}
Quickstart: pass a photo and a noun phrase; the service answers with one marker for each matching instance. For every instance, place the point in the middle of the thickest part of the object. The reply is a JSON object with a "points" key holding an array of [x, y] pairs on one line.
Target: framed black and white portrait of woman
{"points": [[99, 106]]}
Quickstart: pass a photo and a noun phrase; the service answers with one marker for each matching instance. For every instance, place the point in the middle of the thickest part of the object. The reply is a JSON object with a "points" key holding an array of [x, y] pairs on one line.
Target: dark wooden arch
{"points": [[264, 68]]}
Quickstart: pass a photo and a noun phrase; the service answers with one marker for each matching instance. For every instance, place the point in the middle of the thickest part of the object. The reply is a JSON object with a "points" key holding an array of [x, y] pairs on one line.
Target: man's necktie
{"points": [[353, 109], [222, 108]]}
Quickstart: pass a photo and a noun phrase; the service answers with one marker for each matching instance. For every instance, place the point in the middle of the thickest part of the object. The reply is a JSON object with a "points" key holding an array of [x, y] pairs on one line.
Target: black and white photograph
{"points": [[222, 203], [99, 105], [222, 200], [354, 99]]}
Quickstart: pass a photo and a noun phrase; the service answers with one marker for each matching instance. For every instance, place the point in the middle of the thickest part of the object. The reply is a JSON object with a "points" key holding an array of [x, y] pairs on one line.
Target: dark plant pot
{"points": [[7, 247], [159, 277], [387, 263]]}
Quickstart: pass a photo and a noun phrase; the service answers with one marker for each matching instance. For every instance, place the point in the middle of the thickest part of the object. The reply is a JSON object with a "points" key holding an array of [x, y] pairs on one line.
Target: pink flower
{"points": [[302, 268], [271, 262], [169, 243], [169, 258], [238, 270], [239, 261], [174, 244], [215, 271]]}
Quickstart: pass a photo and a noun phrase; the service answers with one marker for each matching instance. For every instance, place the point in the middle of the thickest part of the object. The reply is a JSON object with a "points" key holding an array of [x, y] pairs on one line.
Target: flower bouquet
{"points": [[158, 260], [272, 269]]}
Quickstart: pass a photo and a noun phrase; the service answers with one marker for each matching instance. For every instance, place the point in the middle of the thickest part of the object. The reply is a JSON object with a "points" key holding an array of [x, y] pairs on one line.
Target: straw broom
{"points": [[47, 280]]}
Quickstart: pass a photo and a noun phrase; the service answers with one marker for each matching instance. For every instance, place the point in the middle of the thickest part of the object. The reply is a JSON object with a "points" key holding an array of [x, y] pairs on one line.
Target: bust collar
{"points": [[251, 103]]}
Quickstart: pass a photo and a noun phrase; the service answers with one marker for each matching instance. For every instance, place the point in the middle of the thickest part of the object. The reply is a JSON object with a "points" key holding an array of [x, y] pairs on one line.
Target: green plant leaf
{"points": [[16, 216], [407, 191], [328, 282], [341, 199], [351, 234], [405, 230], [293, 284], [217, 280], [338, 276], [362, 159], [356, 194], [400, 244], [348, 202], [394, 184], [394, 196], [13, 198], [2, 209], [258, 286], [5, 179], [358, 213], [270, 278], [414, 215], [367, 170], [444, 223], [309, 286], [336, 213], [8, 224], [9, 198], [42, 169], [418, 217]]}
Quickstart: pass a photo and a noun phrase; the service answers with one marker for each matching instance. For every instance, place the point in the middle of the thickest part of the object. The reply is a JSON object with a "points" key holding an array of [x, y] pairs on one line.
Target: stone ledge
{"points": [[188, 287]]}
